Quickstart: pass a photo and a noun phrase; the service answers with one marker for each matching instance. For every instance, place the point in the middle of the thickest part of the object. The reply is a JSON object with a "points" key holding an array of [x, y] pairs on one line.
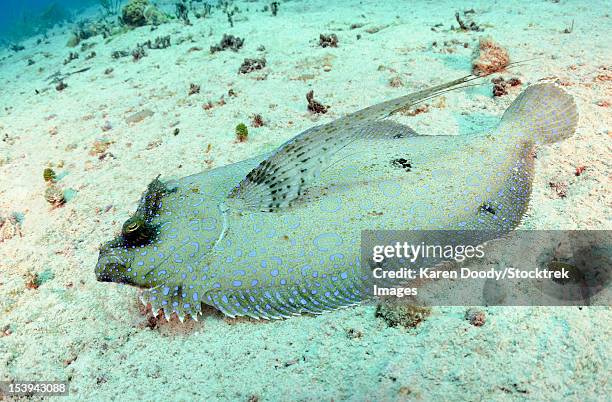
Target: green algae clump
{"points": [[242, 132], [49, 175]]}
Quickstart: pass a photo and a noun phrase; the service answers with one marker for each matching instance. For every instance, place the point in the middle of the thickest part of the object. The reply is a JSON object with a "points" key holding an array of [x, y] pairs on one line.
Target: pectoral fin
{"points": [[282, 178]]}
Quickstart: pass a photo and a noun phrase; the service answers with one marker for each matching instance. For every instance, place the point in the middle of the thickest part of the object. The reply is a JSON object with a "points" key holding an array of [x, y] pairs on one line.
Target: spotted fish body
{"points": [[279, 235]]}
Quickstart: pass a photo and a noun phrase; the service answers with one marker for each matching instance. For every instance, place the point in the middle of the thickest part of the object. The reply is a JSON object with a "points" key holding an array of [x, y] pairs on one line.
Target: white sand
{"points": [[95, 334]]}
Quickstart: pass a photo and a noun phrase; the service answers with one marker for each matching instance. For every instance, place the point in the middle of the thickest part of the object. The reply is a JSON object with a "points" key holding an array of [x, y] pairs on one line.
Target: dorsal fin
{"points": [[280, 179]]}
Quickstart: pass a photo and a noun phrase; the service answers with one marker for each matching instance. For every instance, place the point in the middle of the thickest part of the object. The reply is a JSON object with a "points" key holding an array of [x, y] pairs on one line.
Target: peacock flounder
{"points": [[279, 235]]}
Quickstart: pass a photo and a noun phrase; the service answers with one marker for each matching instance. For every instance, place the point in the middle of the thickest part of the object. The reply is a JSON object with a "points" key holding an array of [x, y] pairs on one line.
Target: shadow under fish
{"points": [[279, 235]]}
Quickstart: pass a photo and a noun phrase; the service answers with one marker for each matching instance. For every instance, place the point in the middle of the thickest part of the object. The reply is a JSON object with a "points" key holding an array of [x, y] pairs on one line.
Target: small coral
{"points": [[315, 106], [580, 170], [182, 12], [71, 56], [117, 54], [406, 315], [133, 13], [209, 104], [139, 52], [476, 317], [228, 42], [491, 58], [416, 110], [274, 7], [16, 48], [257, 121], [513, 82], [85, 29], [31, 281], [161, 42], [242, 132], [61, 86], [86, 46], [250, 65], [396, 82], [54, 196], [560, 188], [500, 86], [205, 11], [99, 147], [9, 227], [328, 40], [467, 26], [154, 16], [6, 331], [49, 175], [353, 333], [194, 89], [402, 163]]}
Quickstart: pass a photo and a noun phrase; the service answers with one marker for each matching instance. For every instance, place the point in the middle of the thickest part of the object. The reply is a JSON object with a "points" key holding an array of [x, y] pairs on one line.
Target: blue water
{"points": [[21, 18]]}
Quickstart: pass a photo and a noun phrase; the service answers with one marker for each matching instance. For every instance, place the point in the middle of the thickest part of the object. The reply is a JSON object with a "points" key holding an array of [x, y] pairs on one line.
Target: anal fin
{"points": [[286, 302]]}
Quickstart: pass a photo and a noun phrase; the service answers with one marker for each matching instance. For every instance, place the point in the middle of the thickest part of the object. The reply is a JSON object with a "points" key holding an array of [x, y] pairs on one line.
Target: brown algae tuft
{"points": [[54, 196], [231, 42], [193, 89], [501, 86], [257, 121], [328, 40], [9, 227], [250, 65], [490, 58], [35, 280], [405, 315], [476, 317], [315, 106], [99, 147]]}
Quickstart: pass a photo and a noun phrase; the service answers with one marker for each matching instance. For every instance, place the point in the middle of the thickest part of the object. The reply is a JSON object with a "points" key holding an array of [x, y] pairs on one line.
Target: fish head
{"points": [[166, 248], [115, 263]]}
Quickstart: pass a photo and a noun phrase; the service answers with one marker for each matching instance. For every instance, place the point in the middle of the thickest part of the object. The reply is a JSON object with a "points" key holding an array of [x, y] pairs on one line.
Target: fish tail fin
{"points": [[544, 112]]}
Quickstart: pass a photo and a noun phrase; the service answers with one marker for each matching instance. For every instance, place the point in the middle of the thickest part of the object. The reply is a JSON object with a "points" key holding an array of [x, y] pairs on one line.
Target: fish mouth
{"points": [[111, 268]]}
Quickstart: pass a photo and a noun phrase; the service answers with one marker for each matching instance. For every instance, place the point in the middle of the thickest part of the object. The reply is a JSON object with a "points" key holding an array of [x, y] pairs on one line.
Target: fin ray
{"points": [[287, 302], [281, 179]]}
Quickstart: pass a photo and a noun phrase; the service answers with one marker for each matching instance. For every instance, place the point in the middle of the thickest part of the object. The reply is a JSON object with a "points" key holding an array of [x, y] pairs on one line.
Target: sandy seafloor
{"points": [[95, 335]]}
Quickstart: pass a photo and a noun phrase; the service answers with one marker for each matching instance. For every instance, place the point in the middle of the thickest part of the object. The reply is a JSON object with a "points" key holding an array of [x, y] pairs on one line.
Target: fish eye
{"points": [[132, 225]]}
